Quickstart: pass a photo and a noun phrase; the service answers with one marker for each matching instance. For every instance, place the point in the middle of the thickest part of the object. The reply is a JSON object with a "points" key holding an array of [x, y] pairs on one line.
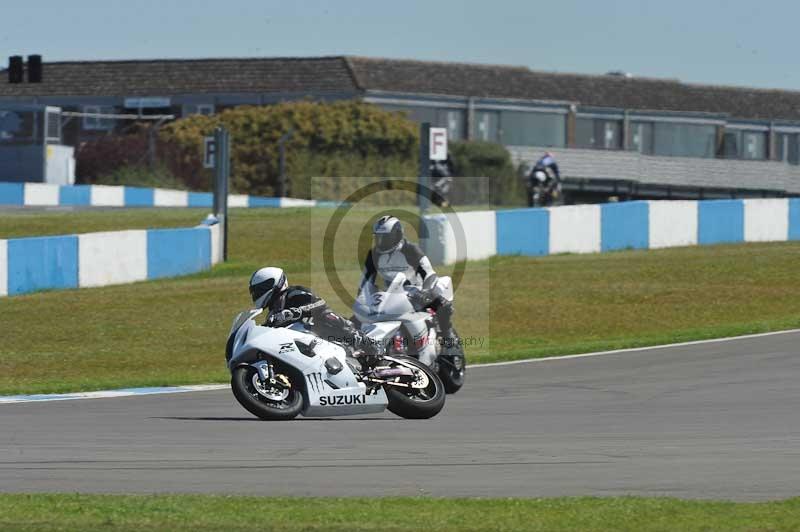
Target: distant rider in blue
{"points": [[547, 164]]}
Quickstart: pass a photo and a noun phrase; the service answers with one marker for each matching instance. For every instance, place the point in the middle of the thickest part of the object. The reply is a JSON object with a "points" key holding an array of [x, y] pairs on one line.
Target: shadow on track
{"points": [[185, 418]]}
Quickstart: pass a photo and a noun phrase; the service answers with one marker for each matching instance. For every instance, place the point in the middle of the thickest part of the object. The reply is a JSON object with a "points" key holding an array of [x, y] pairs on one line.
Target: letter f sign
{"points": [[438, 143]]}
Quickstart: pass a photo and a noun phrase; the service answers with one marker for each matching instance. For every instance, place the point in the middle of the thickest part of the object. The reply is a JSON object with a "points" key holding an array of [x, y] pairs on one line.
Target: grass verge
{"points": [[173, 331], [20, 223], [41, 513]]}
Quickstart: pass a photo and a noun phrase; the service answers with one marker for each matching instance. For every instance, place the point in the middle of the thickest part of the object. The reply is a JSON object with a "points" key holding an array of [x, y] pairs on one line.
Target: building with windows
{"points": [[611, 126]]}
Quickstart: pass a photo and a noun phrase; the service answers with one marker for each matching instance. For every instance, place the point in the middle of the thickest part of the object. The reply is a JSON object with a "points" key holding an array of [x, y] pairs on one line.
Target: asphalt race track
{"points": [[716, 420]]}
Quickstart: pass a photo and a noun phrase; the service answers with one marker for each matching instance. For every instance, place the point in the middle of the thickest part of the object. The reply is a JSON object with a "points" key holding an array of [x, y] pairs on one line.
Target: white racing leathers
{"points": [[409, 260]]}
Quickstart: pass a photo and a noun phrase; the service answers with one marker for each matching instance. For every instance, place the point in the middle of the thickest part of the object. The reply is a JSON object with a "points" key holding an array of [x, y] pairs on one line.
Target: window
{"points": [[452, 119], [97, 123], [198, 109], [684, 140], [641, 137], [53, 130], [521, 128], [18, 126], [486, 126], [584, 133], [730, 145], [599, 133], [454, 122], [743, 144], [787, 147], [418, 114], [754, 145]]}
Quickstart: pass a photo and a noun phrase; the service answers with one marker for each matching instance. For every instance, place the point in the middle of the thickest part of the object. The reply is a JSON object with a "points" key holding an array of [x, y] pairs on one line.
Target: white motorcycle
{"points": [[390, 318], [279, 373]]}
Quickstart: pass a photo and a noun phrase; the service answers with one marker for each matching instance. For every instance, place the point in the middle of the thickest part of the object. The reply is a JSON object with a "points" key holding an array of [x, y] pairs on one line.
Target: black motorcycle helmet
{"points": [[388, 233]]}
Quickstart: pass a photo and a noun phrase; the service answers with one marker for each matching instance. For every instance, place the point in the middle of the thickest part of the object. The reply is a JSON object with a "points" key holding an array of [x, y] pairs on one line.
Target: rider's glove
{"points": [[419, 298], [279, 319]]}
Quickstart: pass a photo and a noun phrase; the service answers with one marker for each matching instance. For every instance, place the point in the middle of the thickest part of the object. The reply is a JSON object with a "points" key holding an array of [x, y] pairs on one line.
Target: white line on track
{"points": [[632, 349], [8, 399]]}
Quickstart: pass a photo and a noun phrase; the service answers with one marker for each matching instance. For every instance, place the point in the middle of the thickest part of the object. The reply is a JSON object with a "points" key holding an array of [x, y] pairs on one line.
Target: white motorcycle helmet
{"points": [[266, 285], [388, 233]]}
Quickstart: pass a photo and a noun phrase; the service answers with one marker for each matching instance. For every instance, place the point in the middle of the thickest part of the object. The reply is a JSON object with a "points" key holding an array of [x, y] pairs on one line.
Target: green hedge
{"points": [[342, 139], [489, 160], [346, 138]]}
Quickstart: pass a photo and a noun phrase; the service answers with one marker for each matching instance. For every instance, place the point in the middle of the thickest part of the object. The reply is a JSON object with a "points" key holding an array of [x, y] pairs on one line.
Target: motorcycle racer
{"points": [[288, 304], [547, 163], [393, 254], [544, 182]]}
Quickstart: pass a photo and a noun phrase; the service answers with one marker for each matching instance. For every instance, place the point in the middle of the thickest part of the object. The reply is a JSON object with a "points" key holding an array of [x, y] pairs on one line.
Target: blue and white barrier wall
{"points": [[609, 227], [100, 259], [45, 194]]}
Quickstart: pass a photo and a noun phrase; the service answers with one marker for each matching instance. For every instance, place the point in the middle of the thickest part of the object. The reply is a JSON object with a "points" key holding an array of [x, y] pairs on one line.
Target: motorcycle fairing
{"points": [[322, 388]]}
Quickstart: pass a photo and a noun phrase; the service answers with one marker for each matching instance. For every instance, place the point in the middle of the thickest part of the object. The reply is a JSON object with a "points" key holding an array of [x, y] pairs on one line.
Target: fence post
{"points": [[423, 197], [221, 178], [424, 167], [282, 185]]}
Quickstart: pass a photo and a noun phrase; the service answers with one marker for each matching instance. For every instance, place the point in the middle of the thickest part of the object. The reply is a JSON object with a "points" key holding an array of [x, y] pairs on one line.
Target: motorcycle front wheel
{"points": [[269, 402], [422, 402]]}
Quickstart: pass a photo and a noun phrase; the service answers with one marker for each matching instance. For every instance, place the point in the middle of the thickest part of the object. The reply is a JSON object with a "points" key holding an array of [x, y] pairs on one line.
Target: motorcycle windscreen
{"points": [[242, 317]]}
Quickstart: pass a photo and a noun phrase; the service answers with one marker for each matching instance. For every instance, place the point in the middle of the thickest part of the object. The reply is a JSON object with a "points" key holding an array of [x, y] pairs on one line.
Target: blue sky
{"points": [[703, 41]]}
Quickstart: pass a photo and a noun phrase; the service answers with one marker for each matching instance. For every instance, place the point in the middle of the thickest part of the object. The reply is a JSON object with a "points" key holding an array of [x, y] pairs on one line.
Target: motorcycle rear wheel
{"points": [[275, 408], [417, 403], [449, 371]]}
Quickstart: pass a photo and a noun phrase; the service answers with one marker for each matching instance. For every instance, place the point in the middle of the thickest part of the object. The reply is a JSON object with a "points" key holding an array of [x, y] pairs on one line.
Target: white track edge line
{"points": [[632, 349], [107, 394], [13, 399]]}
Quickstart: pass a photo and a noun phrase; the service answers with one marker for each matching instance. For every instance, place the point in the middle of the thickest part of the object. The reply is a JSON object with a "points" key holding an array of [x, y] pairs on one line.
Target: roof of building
{"points": [[185, 76], [590, 90], [350, 74]]}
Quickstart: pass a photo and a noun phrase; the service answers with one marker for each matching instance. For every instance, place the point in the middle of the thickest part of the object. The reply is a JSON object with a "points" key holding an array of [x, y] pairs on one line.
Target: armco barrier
{"points": [[613, 226], [73, 195], [139, 197], [672, 223], [477, 227], [3, 268], [624, 226], [720, 222], [48, 195], [107, 196], [100, 259], [42, 263], [170, 198], [12, 194], [794, 219], [115, 257], [41, 194], [523, 231], [172, 252], [766, 220], [575, 229]]}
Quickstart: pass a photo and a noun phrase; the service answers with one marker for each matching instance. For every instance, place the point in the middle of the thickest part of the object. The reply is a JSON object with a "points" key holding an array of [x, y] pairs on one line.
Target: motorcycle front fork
{"points": [[266, 372]]}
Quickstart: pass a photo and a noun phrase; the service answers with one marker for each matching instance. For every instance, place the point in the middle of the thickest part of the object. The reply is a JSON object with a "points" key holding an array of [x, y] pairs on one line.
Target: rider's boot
{"points": [[445, 315], [354, 363]]}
